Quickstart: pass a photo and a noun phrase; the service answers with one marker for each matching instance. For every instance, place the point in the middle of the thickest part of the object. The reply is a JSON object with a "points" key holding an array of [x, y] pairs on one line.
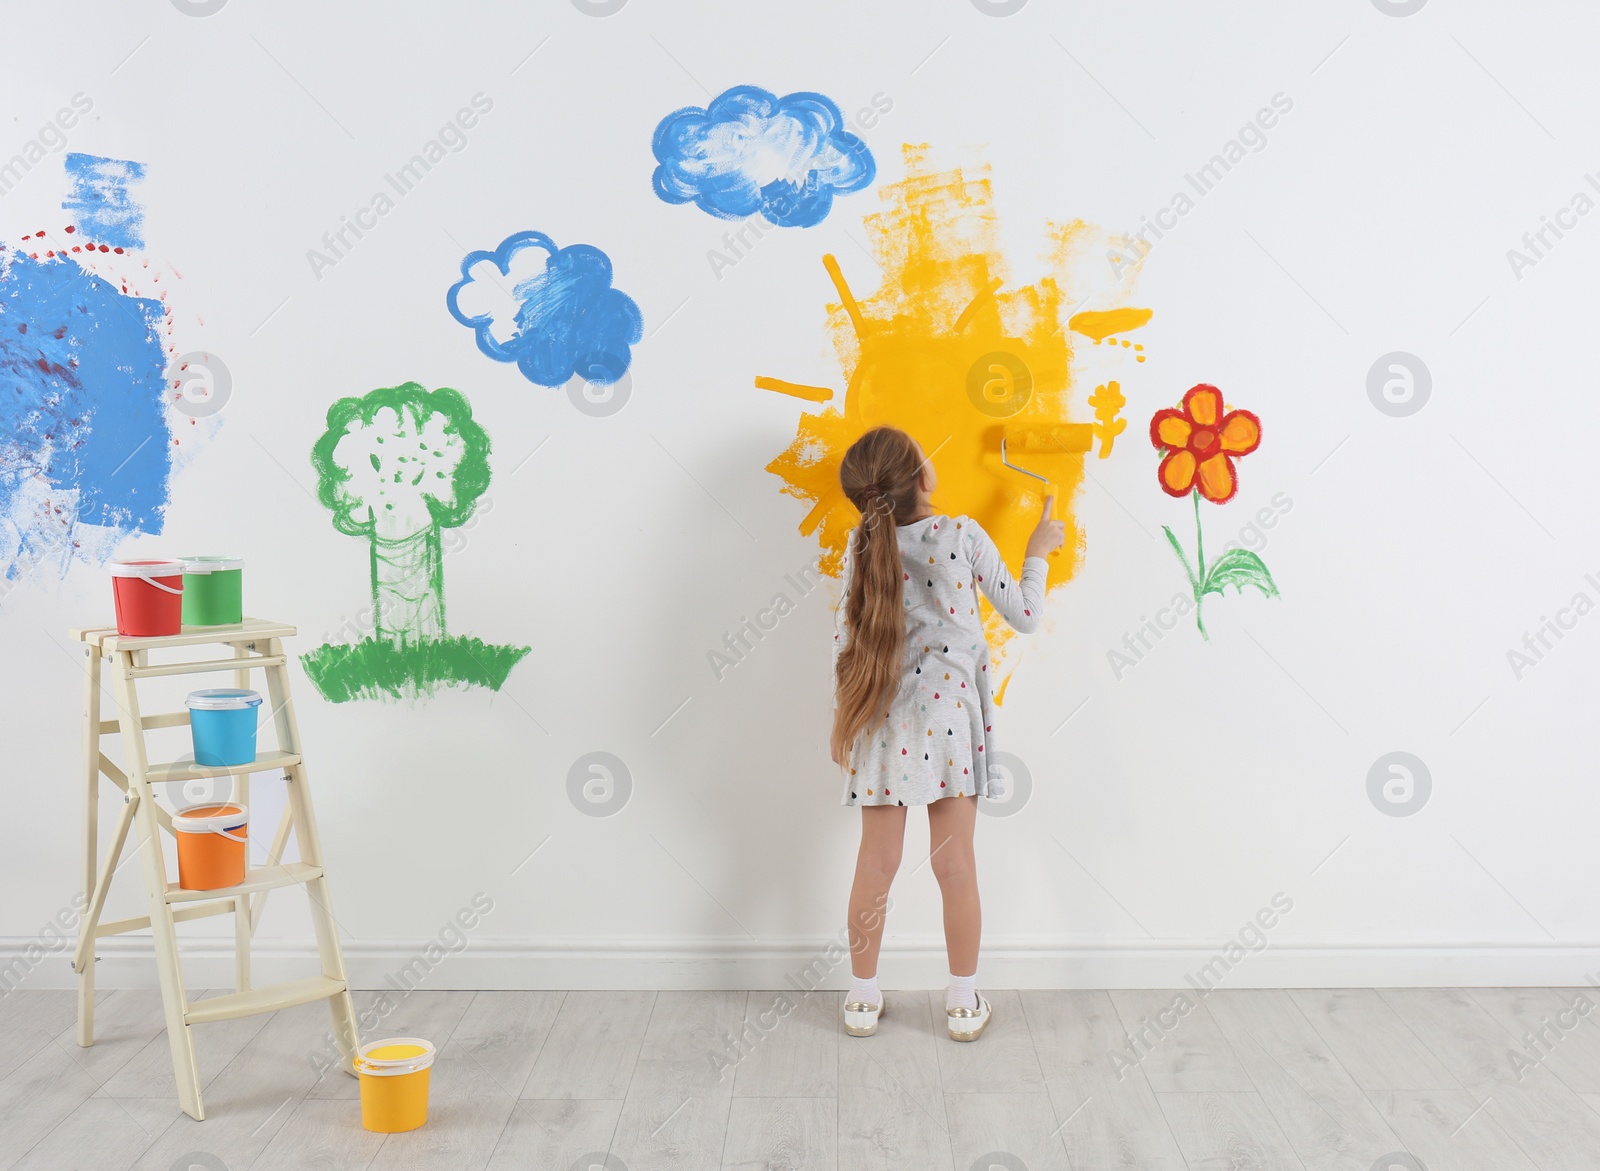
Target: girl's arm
{"points": [[1021, 603]]}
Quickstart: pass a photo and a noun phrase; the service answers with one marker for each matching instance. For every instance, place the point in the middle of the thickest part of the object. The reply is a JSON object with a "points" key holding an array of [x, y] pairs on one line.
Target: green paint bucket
{"points": [[213, 591]]}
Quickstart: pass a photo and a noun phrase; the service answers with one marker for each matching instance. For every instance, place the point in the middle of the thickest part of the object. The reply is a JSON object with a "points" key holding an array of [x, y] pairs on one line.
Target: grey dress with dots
{"points": [[939, 736]]}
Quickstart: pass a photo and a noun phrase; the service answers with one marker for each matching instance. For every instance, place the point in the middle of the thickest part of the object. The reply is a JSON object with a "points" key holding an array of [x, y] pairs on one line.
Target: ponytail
{"points": [[880, 475]]}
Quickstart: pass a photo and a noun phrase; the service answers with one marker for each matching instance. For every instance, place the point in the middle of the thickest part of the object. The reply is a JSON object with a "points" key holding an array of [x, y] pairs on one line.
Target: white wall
{"points": [[1182, 796]]}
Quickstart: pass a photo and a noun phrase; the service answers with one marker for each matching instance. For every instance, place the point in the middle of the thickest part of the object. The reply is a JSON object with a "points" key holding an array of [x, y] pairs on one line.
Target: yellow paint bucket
{"points": [[394, 1084]]}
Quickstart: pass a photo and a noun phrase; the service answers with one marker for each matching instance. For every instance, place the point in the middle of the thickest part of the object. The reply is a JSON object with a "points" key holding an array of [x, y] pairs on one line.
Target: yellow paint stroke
{"points": [[848, 301], [1101, 324], [813, 394], [906, 351]]}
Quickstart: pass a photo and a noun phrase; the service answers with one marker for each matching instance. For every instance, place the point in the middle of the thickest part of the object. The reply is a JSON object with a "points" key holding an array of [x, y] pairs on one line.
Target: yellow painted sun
{"points": [[947, 353]]}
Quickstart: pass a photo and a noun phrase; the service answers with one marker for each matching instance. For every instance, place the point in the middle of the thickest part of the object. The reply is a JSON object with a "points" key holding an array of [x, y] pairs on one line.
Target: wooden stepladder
{"points": [[255, 645]]}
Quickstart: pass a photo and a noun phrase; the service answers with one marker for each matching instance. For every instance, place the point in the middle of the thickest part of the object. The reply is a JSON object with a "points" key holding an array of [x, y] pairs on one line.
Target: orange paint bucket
{"points": [[211, 845], [394, 1084]]}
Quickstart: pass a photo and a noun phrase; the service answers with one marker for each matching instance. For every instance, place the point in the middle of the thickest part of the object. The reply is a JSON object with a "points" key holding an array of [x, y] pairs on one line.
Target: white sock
{"points": [[864, 990], [962, 992]]}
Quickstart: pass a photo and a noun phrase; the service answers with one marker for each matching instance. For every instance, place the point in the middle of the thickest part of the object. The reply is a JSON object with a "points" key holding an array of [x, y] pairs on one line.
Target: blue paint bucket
{"points": [[223, 723]]}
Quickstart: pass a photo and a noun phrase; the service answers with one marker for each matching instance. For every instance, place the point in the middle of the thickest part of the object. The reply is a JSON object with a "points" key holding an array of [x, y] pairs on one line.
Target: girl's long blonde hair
{"points": [[880, 475]]}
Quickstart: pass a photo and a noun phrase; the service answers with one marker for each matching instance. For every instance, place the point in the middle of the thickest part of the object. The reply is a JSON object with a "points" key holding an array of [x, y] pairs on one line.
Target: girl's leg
{"points": [[950, 824], [883, 831]]}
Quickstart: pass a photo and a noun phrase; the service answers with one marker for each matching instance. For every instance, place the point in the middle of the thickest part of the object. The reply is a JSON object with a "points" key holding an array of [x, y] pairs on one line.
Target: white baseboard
{"points": [[615, 963]]}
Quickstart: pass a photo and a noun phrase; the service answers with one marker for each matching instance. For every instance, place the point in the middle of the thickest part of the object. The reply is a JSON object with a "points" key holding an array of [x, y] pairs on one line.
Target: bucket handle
{"points": [[232, 837], [152, 581], [420, 1063]]}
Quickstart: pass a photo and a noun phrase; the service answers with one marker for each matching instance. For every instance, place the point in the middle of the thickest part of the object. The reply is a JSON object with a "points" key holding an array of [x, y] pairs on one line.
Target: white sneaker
{"points": [[967, 1024], [861, 1018]]}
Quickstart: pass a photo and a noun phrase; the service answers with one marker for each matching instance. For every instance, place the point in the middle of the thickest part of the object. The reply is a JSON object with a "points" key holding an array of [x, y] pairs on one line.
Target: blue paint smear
{"points": [[569, 320], [750, 151], [99, 200], [82, 394]]}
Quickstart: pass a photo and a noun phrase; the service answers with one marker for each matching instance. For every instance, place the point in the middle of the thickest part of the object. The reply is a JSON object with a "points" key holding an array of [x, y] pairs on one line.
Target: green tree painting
{"points": [[396, 467]]}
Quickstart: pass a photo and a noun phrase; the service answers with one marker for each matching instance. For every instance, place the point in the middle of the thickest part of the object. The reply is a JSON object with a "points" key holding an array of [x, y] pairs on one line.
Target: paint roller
{"points": [[1062, 439]]}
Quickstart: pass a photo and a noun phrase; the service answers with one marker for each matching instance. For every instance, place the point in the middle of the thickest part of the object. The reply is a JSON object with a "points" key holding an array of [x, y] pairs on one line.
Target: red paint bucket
{"points": [[148, 596]]}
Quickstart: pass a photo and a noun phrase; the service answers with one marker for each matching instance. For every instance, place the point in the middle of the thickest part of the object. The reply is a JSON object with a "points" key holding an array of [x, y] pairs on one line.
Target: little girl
{"points": [[913, 714]]}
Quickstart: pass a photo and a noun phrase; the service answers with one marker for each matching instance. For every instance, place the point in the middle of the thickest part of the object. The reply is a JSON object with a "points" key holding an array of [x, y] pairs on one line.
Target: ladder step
{"points": [[262, 878], [259, 1000], [188, 770], [250, 630], [205, 665]]}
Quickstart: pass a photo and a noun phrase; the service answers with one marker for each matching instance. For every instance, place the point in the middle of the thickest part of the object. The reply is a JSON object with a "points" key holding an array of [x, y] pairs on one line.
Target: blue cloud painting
{"points": [[552, 311], [85, 447], [750, 151]]}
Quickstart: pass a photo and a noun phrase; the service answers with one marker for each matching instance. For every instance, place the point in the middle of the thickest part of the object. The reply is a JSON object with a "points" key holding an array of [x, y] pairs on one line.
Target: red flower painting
{"points": [[1199, 440], [1202, 439]]}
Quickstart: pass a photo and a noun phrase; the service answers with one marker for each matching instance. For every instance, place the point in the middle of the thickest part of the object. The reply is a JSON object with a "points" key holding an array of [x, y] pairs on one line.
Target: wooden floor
{"points": [[1319, 1080]]}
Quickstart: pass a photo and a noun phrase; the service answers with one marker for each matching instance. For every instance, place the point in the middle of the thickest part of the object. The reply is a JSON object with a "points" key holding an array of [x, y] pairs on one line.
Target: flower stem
{"points": [[1199, 541], [1200, 568]]}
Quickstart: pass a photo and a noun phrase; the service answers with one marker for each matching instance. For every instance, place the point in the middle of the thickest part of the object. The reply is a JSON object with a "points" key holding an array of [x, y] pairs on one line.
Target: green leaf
{"points": [[1239, 568]]}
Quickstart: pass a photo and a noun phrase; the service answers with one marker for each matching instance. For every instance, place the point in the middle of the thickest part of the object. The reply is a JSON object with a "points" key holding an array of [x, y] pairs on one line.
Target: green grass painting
{"points": [[373, 669]]}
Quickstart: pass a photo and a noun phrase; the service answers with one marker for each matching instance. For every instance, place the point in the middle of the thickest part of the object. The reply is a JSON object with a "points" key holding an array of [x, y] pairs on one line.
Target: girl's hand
{"points": [[1049, 535]]}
